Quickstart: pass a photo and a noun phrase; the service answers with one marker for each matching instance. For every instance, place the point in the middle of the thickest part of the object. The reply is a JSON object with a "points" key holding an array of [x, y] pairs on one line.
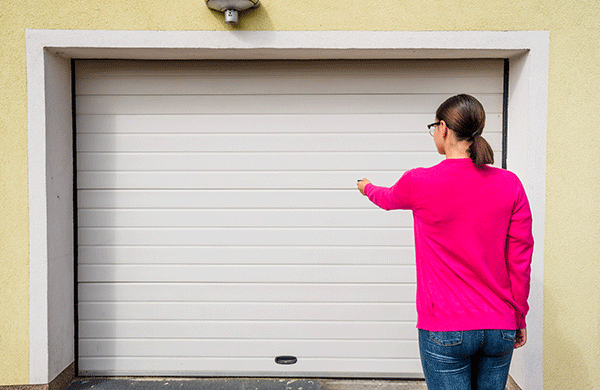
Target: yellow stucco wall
{"points": [[571, 273]]}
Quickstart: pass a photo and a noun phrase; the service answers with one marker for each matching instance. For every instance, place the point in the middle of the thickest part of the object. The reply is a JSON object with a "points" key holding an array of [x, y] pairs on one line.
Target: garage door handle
{"points": [[286, 360]]}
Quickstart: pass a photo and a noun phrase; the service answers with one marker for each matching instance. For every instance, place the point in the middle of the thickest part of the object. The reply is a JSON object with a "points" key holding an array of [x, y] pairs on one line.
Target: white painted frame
{"points": [[49, 54]]}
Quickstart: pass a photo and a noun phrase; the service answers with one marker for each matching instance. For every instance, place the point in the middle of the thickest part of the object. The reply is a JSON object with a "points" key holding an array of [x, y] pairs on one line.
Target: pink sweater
{"points": [[473, 244]]}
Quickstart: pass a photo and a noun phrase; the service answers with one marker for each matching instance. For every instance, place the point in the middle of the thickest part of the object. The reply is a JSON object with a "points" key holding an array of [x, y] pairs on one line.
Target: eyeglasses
{"points": [[432, 126]]}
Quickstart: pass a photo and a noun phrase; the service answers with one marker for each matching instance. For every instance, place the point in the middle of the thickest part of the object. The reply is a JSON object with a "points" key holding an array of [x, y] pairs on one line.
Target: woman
{"points": [[473, 245]]}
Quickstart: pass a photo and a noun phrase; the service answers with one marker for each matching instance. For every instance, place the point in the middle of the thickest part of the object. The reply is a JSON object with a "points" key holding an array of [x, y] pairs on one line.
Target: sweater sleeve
{"points": [[392, 198], [519, 250]]}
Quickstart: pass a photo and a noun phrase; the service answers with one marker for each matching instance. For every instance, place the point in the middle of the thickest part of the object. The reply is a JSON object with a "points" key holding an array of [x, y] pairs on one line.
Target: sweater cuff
{"points": [[521, 324], [367, 188]]}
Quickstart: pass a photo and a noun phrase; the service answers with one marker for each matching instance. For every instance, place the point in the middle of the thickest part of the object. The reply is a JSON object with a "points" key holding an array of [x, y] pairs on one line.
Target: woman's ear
{"points": [[443, 129]]}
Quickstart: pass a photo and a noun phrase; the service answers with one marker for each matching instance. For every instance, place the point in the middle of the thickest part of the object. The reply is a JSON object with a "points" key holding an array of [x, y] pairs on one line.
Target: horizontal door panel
{"points": [[238, 161], [275, 83], [367, 349], [268, 143], [242, 218], [247, 274], [247, 311], [223, 199], [232, 180], [271, 104], [250, 237], [249, 124], [114, 291], [299, 330], [391, 255], [310, 70], [266, 367]]}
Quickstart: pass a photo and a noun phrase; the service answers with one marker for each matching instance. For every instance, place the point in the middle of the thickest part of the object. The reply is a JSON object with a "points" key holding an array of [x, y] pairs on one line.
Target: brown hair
{"points": [[465, 116]]}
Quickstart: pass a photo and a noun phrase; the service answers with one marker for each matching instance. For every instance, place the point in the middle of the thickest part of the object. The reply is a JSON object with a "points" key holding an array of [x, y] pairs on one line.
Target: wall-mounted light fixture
{"points": [[232, 7]]}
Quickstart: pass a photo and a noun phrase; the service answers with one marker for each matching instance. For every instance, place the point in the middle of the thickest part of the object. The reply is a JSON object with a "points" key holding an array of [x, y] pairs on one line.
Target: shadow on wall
{"points": [[570, 369]]}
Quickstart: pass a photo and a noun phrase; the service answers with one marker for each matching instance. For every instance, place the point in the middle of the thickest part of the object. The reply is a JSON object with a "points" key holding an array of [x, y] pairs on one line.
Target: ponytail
{"points": [[480, 150], [465, 116]]}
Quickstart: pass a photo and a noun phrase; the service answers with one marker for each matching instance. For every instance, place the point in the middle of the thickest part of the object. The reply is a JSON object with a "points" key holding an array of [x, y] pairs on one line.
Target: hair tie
{"points": [[475, 134]]}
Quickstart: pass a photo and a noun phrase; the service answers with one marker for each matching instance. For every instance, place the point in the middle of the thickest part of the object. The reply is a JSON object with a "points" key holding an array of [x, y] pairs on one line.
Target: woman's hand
{"points": [[361, 184], [521, 338]]}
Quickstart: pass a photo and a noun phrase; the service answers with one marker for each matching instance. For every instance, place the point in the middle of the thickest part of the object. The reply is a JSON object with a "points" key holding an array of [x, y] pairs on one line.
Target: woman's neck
{"points": [[457, 149]]}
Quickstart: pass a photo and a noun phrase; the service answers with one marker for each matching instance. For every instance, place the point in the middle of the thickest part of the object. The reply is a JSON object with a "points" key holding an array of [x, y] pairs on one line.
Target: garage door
{"points": [[219, 225]]}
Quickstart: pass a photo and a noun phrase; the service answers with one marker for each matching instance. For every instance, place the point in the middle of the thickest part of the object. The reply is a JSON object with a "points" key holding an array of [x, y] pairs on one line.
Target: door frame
{"points": [[50, 148]]}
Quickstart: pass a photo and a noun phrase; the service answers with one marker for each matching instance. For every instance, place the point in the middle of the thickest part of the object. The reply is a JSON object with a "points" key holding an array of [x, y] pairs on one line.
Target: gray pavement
{"points": [[242, 384]]}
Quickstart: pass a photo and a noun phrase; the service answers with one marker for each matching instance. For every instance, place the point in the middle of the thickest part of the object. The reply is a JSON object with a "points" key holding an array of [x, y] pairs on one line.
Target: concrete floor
{"points": [[242, 384], [372, 384], [251, 384]]}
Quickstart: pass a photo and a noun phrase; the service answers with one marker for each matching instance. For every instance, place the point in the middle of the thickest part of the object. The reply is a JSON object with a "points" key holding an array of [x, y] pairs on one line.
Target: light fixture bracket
{"points": [[232, 7]]}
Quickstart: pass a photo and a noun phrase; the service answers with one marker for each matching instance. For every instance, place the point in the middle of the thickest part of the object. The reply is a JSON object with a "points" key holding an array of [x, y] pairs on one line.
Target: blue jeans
{"points": [[466, 360]]}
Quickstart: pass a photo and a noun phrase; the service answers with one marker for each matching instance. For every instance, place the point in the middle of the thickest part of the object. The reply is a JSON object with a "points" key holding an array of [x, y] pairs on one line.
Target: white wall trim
{"points": [[38, 280], [50, 134]]}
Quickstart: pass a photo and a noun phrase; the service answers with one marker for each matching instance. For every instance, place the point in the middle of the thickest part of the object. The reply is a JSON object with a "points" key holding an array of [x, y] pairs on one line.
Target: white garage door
{"points": [[219, 222]]}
